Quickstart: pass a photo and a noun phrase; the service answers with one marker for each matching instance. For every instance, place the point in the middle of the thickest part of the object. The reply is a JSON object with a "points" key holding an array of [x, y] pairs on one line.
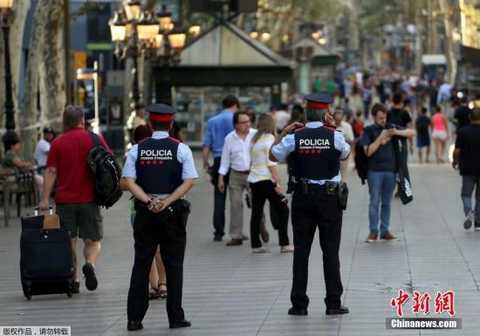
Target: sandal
{"points": [[154, 294], [162, 290]]}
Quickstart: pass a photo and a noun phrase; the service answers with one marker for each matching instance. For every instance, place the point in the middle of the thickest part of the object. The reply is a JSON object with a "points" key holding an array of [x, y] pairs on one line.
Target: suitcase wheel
{"points": [[69, 291]]}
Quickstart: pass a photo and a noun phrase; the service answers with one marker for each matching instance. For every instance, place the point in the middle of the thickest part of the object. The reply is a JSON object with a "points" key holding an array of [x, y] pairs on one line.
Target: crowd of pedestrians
{"points": [[244, 170], [240, 154]]}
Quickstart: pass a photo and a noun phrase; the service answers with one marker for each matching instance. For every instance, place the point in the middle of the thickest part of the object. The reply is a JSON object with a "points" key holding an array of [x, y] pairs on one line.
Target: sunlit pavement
{"points": [[230, 291]]}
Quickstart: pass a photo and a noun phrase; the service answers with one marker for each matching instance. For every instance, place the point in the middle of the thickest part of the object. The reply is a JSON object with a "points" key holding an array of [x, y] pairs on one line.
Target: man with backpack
{"points": [[69, 175]]}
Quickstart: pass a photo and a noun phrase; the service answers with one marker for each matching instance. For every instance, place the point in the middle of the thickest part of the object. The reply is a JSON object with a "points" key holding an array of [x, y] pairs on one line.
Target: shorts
{"points": [[439, 135], [423, 141], [81, 220]]}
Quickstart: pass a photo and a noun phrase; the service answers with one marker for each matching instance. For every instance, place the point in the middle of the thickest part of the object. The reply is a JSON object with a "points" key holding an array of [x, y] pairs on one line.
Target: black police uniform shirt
{"points": [[160, 164], [318, 144]]}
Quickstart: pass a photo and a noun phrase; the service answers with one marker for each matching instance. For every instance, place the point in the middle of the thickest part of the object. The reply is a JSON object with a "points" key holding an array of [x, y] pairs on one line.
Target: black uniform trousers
{"points": [[149, 231], [310, 210]]}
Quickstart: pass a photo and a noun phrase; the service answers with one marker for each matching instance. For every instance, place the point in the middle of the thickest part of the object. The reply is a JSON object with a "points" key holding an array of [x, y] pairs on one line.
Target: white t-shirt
{"points": [[259, 168], [41, 152]]}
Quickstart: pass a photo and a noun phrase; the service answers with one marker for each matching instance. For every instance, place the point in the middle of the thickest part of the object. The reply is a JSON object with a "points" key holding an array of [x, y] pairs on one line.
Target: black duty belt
{"points": [[177, 207], [304, 187]]}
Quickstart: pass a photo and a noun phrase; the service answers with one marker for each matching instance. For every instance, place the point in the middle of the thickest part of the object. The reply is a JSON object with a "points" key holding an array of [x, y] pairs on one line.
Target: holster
{"points": [[290, 185], [343, 195]]}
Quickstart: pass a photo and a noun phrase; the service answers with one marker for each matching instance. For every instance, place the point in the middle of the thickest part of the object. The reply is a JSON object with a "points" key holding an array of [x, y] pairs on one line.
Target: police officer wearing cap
{"points": [[158, 172], [315, 152]]}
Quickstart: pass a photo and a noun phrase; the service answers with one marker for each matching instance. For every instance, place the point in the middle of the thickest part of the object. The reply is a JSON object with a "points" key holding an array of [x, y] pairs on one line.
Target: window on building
{"points": [[98, 29]]}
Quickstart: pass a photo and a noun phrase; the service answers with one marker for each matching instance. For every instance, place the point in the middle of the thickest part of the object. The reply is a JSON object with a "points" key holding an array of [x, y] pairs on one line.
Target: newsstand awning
{"points": [[225, 56]]}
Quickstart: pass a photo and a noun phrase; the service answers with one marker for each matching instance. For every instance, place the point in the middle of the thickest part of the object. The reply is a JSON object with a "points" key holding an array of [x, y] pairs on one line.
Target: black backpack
{"points": [[106, 172]]}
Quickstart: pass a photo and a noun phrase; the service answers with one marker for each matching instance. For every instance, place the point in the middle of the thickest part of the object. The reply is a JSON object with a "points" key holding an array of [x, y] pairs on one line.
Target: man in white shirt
{"points": [[236, 158], [43, 147]]}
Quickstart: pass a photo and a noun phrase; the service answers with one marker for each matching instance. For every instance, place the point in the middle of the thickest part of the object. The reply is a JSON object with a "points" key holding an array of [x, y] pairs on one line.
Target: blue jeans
{"points": [[381, 185]]}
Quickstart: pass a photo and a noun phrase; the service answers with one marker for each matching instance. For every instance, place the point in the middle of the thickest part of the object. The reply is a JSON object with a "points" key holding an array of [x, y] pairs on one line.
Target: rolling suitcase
{"points": [[46, 263]]}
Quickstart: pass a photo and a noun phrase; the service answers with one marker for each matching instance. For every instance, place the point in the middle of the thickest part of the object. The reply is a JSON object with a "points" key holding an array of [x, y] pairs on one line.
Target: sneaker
{"points": [[372, 237], [467, 224], [477, 226], [260, 250], [387, 236], [287, 249], [90, 278]]}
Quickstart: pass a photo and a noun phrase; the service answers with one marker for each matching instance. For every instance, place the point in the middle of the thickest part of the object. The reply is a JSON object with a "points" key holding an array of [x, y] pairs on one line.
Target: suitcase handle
{"points": [[36, 211]]}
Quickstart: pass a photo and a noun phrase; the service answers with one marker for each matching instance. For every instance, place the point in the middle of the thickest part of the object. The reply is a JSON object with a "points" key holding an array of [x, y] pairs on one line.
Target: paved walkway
{"points": [[229, 291]]}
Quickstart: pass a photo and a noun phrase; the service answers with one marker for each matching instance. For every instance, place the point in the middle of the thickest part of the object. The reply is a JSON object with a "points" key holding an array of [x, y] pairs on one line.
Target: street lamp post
{"points": [[136, 31], [5, 16]]}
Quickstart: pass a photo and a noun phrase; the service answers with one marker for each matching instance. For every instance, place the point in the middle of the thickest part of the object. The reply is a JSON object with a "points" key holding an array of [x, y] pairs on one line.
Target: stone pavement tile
{"points": [[444, 332]]}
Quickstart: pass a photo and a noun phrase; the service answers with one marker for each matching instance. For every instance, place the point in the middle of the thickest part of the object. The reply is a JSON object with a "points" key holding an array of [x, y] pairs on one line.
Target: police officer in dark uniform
{"points": [[318, 199], [158, 172]]}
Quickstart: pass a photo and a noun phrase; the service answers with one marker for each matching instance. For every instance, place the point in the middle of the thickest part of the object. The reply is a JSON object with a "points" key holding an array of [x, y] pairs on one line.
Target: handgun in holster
{"points": [[303, 186], [291, 184], [343, 195]]}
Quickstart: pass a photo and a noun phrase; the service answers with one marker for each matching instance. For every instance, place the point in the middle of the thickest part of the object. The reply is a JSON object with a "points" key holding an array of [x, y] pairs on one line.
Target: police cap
{"points": [[318, 101], [161, 112]]}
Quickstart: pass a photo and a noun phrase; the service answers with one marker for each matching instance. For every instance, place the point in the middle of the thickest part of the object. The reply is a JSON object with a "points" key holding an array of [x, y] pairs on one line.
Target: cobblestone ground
{"points": [[229, 291]]}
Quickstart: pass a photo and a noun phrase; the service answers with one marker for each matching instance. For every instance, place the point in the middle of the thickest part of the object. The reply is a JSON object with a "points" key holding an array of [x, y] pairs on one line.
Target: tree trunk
{"points": [[16, 54], [452, 61], [45, 72]]}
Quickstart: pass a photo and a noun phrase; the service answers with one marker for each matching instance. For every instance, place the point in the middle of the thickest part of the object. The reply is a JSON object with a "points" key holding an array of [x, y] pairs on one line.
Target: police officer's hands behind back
{"points": [[158, 205]]}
